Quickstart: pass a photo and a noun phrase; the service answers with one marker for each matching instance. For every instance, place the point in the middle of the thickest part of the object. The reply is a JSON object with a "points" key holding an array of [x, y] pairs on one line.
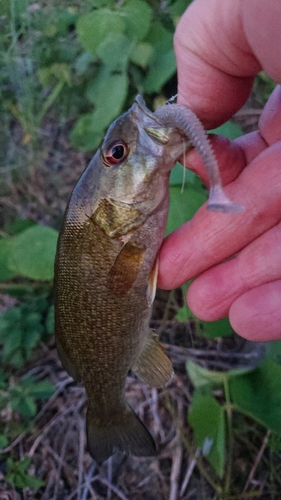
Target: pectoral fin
{"points": [[126, 267], [153, 366], [152, 284]]}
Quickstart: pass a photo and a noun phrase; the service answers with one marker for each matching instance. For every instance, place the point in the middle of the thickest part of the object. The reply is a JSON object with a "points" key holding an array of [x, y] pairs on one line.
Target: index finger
{"points": [[220, 45], [209, 238]]}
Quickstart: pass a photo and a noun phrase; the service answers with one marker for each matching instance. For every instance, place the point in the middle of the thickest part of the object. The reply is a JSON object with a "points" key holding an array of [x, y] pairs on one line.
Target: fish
{"points": [[106, 267]]}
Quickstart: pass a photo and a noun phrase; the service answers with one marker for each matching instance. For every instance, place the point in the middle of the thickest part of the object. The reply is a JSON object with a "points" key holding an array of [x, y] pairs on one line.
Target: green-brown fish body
{"points": [[106, 273]]}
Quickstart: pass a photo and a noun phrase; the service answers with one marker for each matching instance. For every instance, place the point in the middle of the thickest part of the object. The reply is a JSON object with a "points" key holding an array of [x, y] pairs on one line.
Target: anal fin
{"points": [[153, 366]]}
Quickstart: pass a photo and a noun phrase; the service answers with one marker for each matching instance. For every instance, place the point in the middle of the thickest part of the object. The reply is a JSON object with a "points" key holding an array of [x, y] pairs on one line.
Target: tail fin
{"points": [[125, 432]]}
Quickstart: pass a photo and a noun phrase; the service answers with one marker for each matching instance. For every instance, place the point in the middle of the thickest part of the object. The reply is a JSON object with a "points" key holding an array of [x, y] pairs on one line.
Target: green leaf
{"points": [[201, 376], [181, 175], [184, 314], [33, 253], [161, 69], [32, 482], [274, 351], [93, 27], [5, 251], [86, 134], [183, 206], [3, 381], [229, 129], [178, 8], [50, 320], [31, 338], [207, 419], [18, 226], [25, 392], [61, 72], [258, 394], [107, 92], [137, 17], [17, 474], [114, 51], [43, 389], [214, 329], [103, 3], [3, 441], [163, 63], [160, 38], [21, 328], [83, 62], [24, 405], [141, 54], [209, 329]]}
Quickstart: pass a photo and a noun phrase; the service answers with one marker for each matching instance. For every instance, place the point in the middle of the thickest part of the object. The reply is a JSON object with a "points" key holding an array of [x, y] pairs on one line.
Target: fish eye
{"points": [[117, 152]]}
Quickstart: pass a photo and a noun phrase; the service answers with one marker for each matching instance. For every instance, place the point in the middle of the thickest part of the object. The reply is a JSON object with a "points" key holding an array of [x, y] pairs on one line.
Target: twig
{"points": [[87, 486], [177, 458], [230, 437], [248, 112], [88, 481], [164, 319], [13, 444], [51, 424], [60, 387], [189, 472], [115, 490], [257, 461], [152, 402], [81, 427], [55, 455], [109, 478], [175, 472], [61, 461]]}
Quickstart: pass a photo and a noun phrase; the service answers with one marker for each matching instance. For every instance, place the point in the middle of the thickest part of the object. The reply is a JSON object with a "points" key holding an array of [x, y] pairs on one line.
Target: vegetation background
{"points": [[67, 69]]}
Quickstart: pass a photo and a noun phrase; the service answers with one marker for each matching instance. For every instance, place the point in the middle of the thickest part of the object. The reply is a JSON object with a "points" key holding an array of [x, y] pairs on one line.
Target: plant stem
{"points": [[15, 286], [229, 436], [192, 452], [51, 98]]}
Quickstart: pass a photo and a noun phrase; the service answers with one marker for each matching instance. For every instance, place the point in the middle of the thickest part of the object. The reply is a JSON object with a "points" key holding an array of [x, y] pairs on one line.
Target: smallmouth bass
{"points": [[106, 267]]}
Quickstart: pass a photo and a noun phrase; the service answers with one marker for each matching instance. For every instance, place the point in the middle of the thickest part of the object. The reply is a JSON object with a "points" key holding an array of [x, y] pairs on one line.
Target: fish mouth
{"points": [[141, 104], [152, 125]]}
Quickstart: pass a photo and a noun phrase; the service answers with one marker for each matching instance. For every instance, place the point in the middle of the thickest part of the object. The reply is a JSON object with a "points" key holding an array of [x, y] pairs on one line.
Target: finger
{"points": [[232, 156], [211, 295], [256, 315], [211, 237], [270, 120], [219, 46]]}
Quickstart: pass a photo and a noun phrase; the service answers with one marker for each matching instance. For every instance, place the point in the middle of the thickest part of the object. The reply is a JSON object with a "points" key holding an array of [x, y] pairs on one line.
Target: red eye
{"points": [[115, 153]]}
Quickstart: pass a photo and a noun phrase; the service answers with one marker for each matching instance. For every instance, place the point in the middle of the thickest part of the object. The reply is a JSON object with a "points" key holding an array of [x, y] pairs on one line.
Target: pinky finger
{"points": [[256, 314]]}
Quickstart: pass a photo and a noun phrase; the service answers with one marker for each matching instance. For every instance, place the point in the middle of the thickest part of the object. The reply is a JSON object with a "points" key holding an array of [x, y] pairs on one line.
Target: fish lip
{"points": [[139, 100], [142, 115]]}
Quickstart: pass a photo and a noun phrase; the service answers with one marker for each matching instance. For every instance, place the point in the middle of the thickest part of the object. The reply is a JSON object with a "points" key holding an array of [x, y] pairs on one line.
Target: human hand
{"points": [[220, 45]]}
